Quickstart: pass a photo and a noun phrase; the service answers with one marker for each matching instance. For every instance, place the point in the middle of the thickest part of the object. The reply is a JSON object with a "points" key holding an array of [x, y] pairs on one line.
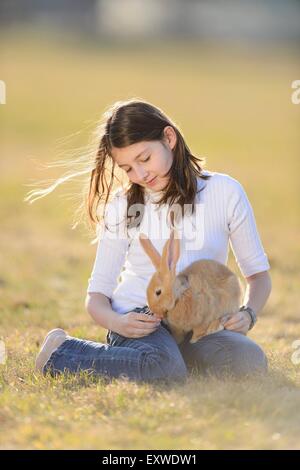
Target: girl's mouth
{"points": [[152, 182]]}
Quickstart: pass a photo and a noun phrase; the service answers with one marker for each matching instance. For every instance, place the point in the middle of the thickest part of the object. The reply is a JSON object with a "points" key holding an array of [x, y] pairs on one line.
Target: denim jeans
{"points": [[158, 357]]}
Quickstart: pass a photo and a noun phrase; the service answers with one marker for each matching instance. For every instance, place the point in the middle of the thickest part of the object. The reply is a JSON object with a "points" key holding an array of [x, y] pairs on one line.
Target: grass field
{"points": [[234, 107]]}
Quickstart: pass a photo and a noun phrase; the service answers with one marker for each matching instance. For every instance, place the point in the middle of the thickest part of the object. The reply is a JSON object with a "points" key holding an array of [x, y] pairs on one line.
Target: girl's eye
{"points": [[127, 171]]}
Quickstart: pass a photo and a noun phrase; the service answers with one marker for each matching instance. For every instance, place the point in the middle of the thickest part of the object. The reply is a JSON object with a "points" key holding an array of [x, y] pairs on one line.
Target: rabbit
{"points": [[197, 299]]}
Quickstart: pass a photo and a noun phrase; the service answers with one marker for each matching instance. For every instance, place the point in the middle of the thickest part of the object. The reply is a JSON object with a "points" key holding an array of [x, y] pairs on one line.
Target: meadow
{"points": [[234, 107]]}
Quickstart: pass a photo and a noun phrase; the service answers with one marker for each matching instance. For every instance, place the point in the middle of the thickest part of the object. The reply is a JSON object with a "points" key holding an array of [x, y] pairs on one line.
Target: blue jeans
{"points": [[158, 357]]}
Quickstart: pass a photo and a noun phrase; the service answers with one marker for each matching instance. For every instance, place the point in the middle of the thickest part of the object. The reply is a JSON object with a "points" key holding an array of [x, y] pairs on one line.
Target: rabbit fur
{"points": [[195, 299]]}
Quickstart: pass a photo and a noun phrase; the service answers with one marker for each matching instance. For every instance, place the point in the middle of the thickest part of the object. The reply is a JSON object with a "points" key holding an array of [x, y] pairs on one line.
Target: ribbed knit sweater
{"points": [[223, 217]]}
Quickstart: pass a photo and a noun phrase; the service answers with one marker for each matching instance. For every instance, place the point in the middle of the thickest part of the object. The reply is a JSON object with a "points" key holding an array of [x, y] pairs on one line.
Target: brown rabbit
{"points": [[194, 300]]}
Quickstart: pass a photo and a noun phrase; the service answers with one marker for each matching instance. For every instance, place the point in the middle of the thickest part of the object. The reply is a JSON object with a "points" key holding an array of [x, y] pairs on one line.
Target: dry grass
{"points": [[234, 107]]}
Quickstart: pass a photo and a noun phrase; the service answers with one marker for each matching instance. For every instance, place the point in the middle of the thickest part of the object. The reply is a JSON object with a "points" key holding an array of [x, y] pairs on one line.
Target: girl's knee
{"points": [[231, 353], [247, 357]]}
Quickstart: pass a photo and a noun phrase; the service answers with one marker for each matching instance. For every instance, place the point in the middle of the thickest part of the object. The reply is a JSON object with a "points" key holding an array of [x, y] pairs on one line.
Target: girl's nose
{"points": [[142, 174]]}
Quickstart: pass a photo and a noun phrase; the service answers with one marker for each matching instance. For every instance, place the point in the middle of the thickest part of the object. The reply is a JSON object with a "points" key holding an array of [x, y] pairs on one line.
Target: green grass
{"points": [[234, 108]]}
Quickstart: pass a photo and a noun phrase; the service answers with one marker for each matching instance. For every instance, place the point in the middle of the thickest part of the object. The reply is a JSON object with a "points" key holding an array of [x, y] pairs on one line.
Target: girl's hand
{"points": [[136, 325], [238, 322]]}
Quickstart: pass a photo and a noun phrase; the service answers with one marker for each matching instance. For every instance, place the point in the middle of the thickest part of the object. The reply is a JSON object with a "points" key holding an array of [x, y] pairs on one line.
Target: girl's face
{"points": [[147, 160]]}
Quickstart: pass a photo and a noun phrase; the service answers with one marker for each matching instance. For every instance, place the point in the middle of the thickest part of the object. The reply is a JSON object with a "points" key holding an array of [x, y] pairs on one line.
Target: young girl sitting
{"points": [[145, 143]]}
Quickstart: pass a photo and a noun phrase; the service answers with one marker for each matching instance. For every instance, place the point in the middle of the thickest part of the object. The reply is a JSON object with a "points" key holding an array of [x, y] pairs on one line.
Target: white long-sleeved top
{"points": [[223, 216]]}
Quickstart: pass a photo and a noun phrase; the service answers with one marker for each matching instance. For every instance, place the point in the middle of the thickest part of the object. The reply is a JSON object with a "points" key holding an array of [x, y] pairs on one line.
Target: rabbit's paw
{"points": [[198, 333], [216, 325]]}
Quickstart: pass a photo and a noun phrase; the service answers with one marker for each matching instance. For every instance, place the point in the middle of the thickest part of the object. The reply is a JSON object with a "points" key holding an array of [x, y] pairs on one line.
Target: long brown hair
{"points": [[125, 123]]}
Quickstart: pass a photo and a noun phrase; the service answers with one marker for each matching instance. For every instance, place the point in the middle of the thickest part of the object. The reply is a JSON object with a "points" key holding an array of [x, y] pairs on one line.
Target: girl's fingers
{"points": [[141, 333], [236, 326], [231, 325], [142, 317], [146, 329], [225, 319], [234, 319], [140, 329], [145, 326]]}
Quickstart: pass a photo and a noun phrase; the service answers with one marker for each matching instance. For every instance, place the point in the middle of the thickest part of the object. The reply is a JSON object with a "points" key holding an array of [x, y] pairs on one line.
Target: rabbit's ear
{"points": [[150, 250], [171, 253]]}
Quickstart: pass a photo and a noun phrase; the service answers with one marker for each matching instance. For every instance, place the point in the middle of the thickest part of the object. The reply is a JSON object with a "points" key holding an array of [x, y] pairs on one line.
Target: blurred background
{"points": [[223, 71]]}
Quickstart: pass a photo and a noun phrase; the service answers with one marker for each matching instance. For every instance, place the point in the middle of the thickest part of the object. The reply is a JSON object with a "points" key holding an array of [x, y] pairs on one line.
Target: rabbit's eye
{"points": [[158, 292]]}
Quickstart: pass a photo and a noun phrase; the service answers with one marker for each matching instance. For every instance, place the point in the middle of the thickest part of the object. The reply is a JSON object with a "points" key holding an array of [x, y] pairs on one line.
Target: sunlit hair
{"points": [[123, 124]]}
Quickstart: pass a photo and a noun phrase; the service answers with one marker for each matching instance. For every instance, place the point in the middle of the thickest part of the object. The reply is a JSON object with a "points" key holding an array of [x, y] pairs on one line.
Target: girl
{"points": [[141, 140]]}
